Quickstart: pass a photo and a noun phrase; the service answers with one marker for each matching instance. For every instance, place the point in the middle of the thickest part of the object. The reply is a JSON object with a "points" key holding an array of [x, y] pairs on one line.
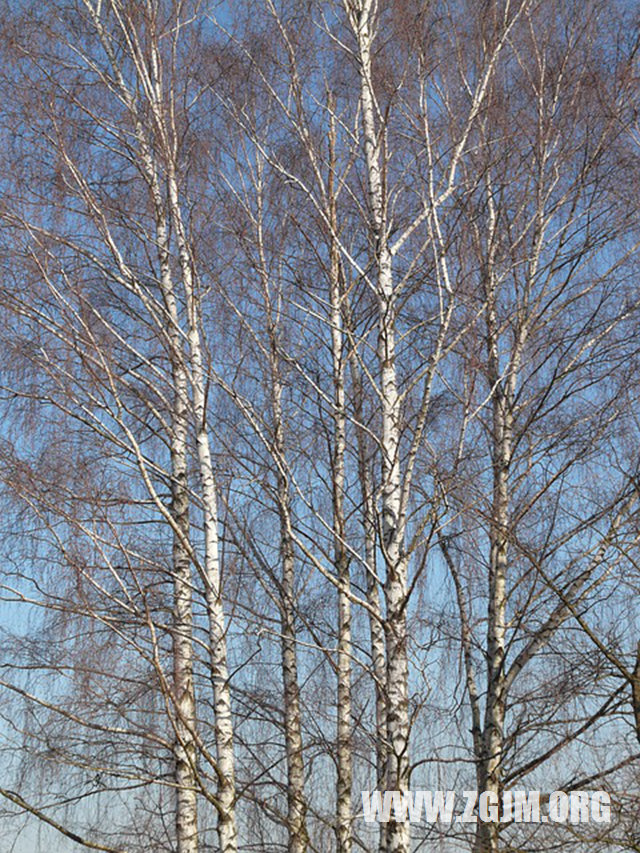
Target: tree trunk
{"points": [[376, 632], [296, 801], [397, 710], [341, 557], [490, 770], [184, 750], [226, 793]]}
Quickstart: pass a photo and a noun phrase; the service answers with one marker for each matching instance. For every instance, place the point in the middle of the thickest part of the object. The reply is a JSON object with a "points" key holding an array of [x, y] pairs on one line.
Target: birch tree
{"points": [[541, 240], [133, 120], [319, 455]]}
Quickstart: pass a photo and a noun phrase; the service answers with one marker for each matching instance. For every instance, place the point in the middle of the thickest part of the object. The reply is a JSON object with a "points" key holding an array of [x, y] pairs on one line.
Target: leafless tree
{"points": [[320, 457]]}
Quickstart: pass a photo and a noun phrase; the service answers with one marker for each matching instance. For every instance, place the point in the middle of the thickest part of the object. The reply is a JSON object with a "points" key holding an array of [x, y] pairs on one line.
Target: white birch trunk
{"points": [[183, 654], [490, 771], [298, 838], [185, 748], [226, 793], [296, 801], [376, 633], [397, 710], [341, 558]]}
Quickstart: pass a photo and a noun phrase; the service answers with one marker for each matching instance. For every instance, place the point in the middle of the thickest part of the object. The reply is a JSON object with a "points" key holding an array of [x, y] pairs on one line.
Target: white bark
{"points": [[187, 365], [226, 794], [296, 801], [492, 742], [185, 750], [376, 632], [298, 838], [341, 557], [393, 526]]}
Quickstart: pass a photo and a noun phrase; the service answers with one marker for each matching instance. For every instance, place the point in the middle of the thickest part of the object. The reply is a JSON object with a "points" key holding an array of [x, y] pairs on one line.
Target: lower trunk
{"points": [[296, 802], [490, 767], [345, 772], [223, 725], [378, 662], [378, 653], [184, 748], [226, 793], [341, 557], [398, 834], [490, 776]]}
